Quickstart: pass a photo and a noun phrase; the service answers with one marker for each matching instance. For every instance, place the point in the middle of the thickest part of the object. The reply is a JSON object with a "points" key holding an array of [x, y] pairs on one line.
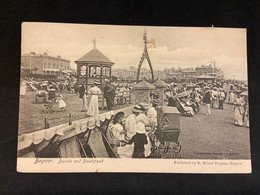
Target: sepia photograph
{"points": [[131, 98]]}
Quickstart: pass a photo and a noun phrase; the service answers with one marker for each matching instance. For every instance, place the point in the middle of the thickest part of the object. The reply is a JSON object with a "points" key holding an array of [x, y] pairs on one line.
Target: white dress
{"points": [[23, 89], [147, 147], [61, 103], [152, 116], [215, 100], [93, 104], [231, 97], [130, 125], [239, 111]]}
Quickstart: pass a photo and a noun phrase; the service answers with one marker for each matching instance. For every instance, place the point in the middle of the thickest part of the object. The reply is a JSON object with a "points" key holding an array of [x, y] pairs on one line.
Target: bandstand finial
{"points": [[94, 42], [145, 37]]}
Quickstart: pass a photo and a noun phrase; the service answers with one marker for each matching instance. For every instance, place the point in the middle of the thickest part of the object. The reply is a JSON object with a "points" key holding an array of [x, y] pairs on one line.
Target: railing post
{"points": [[102, 102], [46, 124], [70, 122]]}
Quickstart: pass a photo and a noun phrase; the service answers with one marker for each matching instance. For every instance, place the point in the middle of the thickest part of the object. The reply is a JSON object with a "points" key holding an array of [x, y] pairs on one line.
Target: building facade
{"points": [[33, 63], [171, 74]]}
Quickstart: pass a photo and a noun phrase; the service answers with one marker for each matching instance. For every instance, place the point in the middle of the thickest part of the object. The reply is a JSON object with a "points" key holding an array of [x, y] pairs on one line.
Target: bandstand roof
{"points": [[159, 83], [95, 56], [143, 85]]}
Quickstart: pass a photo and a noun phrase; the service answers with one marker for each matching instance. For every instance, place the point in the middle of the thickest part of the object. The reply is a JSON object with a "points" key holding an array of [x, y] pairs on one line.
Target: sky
{"points": [[175, 46]]}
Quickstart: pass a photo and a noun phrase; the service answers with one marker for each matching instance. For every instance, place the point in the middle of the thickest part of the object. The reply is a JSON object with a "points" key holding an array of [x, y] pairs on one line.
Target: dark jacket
{"points": [[81, 91], [207, 98], [139, 141]]}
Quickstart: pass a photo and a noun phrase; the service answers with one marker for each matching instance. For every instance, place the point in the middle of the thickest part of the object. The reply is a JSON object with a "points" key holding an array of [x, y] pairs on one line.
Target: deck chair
{"points": [[86, 145], [48, 109]]}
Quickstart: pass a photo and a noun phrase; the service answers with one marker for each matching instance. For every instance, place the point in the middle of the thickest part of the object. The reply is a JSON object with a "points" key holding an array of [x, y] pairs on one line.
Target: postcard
{"points": [[114, 98]]}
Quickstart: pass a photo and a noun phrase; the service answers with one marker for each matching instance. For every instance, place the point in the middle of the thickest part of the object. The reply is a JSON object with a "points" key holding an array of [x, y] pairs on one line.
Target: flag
{"points": [[151, 43]]}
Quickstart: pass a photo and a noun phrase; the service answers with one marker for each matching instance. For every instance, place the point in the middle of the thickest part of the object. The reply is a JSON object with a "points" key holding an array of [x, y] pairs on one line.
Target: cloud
{"points": [[183, 47], [232, 67]]}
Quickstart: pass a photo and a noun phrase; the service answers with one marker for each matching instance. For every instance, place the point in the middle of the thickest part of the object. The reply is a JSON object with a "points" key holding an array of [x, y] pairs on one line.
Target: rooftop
{"points": [[159, 83], [143, 85], [205, 77], [95, 56], [33, 54]]}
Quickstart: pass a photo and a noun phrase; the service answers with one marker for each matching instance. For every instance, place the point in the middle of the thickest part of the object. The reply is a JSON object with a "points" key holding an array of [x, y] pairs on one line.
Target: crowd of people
{"points": [[119, 94], [187, 98], [214, 96], [133, 138], [113, 93]]}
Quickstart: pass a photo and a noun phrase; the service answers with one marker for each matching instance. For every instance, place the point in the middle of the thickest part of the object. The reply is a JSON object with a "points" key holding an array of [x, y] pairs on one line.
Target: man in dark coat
{"points": [[82, 95], [81, 91], [109, 95]]}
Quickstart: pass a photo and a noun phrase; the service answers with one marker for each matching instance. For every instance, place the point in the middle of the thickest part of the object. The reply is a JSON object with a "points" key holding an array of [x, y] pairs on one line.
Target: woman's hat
{"points": [[140, 128], [144, 106], [245, 93], [96, 82], [137, 109], [118, 115], [156, 101]]}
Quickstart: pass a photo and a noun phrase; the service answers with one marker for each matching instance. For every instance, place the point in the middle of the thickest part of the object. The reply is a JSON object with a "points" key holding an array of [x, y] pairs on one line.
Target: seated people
{"points": [[130, 126], [187, 110], [116, 133]]}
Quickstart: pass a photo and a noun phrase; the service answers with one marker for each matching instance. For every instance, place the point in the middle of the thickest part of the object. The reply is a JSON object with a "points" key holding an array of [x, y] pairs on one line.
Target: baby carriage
{"points": [[168, 131]]}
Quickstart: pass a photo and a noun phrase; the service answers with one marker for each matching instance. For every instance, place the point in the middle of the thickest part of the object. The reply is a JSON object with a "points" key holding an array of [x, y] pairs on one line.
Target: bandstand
{"points": [[93, 66]]}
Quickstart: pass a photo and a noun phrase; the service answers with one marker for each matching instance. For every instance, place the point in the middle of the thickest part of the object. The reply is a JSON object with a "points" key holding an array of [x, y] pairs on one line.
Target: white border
{"points": [[56, 165]]}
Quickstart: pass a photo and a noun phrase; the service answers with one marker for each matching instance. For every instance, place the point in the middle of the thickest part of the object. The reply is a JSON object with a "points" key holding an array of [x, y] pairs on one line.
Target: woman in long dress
{"points": [[142, 118], [239, 110], [215, 99], [93, 104], [246, 107], [231, 97], [23, 89]]}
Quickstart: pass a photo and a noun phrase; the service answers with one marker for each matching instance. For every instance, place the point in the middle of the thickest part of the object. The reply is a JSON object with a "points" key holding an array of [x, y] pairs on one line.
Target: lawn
{"points": [[32, 118], [214, 137]]}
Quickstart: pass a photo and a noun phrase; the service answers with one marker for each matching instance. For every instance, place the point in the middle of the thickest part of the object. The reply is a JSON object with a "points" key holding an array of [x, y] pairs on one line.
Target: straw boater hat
{"points": [[144, 106], [106, 81], [137, 109], [140, 128], [96, 82]]}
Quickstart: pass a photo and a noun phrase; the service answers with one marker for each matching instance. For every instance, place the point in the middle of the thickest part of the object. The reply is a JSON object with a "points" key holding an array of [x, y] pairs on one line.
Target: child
{"points": [[139, 140], [61, 103]]}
